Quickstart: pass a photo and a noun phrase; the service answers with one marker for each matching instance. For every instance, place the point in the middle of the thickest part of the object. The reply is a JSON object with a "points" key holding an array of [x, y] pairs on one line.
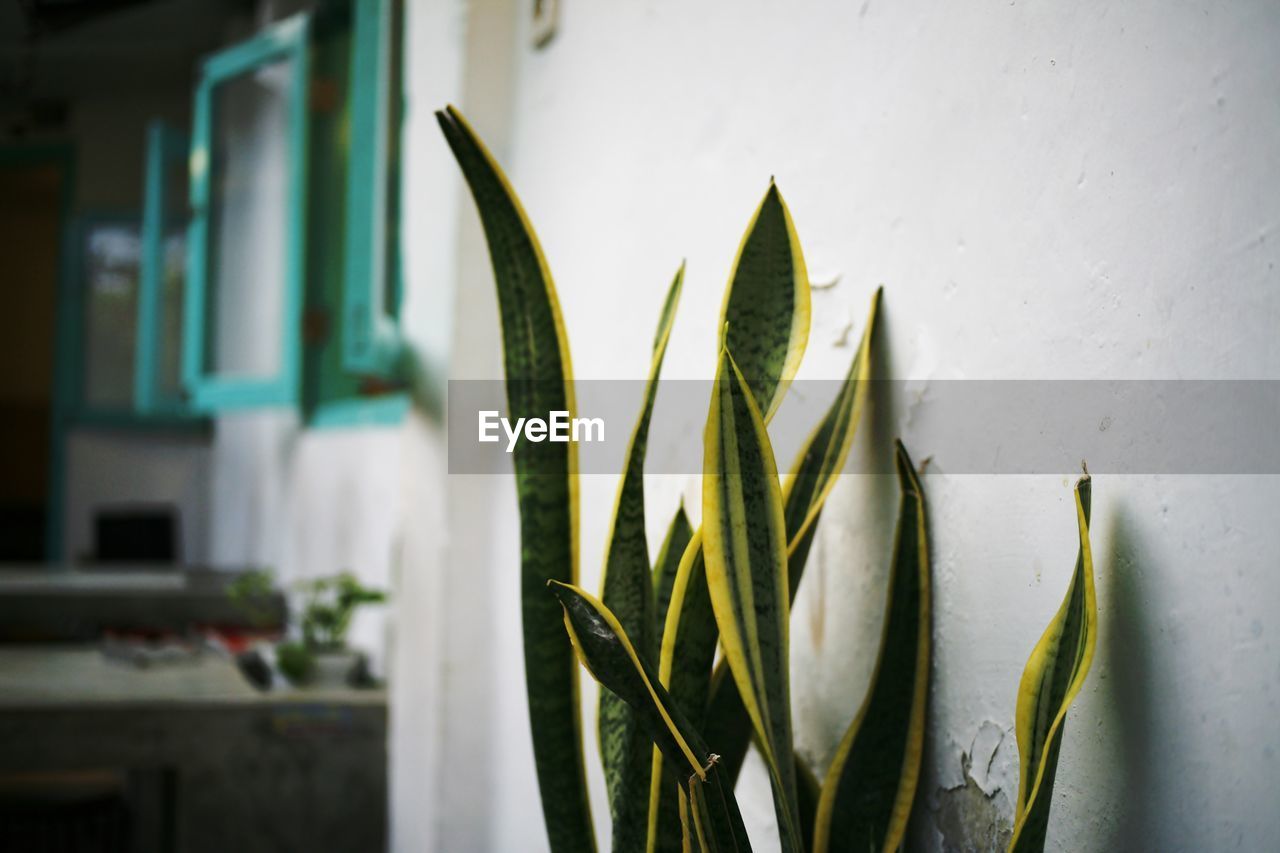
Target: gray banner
{"points": [[965, 426]]}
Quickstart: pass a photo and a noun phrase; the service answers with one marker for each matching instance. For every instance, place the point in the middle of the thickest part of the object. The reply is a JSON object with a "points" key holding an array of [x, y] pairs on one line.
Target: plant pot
{"points": [[334, 668]]}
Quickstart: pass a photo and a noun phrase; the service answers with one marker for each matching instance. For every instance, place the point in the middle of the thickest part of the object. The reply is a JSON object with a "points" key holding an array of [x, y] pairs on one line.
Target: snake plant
{"points": [[674, 725]]}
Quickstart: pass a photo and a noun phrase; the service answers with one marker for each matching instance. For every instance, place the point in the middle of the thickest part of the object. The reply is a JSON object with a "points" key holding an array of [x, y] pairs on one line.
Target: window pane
{"points": [[111, 262], [248, 222]]}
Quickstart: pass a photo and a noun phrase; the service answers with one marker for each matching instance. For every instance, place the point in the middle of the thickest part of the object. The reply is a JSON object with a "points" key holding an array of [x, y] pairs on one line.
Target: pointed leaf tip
{"points": [[767, 301]]}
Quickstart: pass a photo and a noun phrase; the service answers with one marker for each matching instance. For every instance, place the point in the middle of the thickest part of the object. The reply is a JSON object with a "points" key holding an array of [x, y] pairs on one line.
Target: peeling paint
{"points": [[970, 808], [982, 754], [968, 819]]}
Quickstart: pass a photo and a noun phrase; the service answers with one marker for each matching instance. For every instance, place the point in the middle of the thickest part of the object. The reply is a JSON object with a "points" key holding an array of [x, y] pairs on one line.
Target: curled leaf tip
{"points": [[1084, 466]]}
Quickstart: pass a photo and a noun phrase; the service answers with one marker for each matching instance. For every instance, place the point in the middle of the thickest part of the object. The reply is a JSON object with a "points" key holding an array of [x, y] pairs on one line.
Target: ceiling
{"points": [[57, 50]]}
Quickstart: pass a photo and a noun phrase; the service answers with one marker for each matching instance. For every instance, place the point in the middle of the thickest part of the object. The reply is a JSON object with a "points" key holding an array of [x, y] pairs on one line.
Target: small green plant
{"points": [[250, 592], [295, 661], [674, 726], [329, 604]]}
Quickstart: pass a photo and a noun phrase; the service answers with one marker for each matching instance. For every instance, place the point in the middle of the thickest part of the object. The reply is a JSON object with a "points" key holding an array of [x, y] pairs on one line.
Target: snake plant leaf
{"points": [[808, 792], [813, 476], [627, 590], [867, 794], [688, 841], [822, 458], [745, 548], [1053, 677], [606, 652], [727, 721], [765, 318], [717, 829], [539, 379], [665, 567], [689, 640]]}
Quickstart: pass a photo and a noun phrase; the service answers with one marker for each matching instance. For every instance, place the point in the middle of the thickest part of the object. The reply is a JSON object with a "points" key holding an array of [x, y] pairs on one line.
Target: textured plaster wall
{"points": [[1081, 191]]}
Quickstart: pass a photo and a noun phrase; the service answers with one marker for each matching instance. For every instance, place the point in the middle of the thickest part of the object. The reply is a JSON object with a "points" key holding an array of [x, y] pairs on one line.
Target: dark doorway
{"points": [[32, 189]]}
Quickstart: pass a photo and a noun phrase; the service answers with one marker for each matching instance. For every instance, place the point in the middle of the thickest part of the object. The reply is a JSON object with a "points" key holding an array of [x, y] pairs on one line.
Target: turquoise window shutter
{"points": [[371, 343], [251, 102], [166, 146]]}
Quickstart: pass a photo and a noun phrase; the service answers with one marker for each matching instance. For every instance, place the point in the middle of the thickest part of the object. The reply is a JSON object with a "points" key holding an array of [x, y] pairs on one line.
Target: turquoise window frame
{"points": [[371, 340], [286, 40], [165, 146], [337, 393]]}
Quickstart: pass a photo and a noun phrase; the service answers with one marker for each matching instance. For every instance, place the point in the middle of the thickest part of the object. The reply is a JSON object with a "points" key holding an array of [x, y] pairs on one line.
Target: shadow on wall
{"points": [[837, 615], [1129, 646]]}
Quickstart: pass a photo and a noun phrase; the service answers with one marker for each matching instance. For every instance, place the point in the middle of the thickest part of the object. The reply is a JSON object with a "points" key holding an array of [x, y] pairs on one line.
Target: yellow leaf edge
{"points": [[694, 763], [666, 661], [910, 777], [801, 317], [1036, 664]]}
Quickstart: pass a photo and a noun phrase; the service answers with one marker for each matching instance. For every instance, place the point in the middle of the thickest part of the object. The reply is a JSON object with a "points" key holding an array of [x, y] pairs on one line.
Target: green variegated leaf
{"points": [[716, 828], [765, 319], [813, 475], [745, 548], [1054, 675], [679, 532], [604, 649], [539, 380], [628, 592], [820, 461], [808, 790], [727, 721], [688, 840], [688, 648], [867, 795]]}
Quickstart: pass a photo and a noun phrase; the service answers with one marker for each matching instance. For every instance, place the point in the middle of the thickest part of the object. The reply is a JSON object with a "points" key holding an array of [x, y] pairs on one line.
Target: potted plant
{"points": [[322, 658]]}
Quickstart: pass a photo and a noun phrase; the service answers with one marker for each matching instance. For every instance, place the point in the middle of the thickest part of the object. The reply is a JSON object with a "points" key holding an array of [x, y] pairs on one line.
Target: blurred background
{"points": [[244, 604]]}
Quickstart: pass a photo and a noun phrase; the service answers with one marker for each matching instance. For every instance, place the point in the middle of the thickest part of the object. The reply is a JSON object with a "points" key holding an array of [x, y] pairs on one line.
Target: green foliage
{"points": [[628, 589], [673, 730], [1054, 675], [250, 592], [295, 661], [539, 380], [872, 780], [329, 604]]}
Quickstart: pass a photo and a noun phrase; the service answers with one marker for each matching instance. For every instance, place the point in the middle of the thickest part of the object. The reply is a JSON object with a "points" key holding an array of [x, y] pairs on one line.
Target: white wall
{"points": [[1084, 191]]}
